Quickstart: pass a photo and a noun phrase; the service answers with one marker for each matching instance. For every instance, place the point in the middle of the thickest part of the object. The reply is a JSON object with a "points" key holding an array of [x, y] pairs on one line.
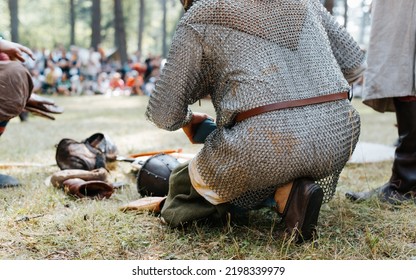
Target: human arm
{"points": [[15, 50], [180, 82], [348, 54]]}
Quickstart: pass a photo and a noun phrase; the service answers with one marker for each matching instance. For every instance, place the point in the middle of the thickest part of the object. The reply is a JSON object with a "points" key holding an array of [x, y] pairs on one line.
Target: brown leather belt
{"points": [[290, 104]]}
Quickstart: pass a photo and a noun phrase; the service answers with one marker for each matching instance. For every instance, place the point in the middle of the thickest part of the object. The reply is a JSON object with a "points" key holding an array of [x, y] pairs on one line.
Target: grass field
{"points": [[40, 222]]}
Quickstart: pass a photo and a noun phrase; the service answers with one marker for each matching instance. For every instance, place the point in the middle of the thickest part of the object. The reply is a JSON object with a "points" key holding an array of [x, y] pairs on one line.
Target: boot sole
{"points": [[313, 208], [146, 204]]}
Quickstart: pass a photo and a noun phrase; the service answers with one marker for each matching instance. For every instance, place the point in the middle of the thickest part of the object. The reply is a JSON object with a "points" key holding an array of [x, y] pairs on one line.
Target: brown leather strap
{"points": [[290, 104]]}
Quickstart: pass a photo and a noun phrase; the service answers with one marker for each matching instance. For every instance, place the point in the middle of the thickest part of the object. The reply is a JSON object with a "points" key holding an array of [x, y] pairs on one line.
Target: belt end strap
{"points": [[291, 104]]}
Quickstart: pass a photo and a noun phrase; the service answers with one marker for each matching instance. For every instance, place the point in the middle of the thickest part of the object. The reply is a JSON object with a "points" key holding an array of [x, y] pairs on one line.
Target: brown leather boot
{"points": [[91, 189], [302, 209], [59, 177], [402, 184]]}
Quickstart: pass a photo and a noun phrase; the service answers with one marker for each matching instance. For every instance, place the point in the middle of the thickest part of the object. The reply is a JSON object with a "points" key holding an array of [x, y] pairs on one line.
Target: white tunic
{"points": [[391, 54]]}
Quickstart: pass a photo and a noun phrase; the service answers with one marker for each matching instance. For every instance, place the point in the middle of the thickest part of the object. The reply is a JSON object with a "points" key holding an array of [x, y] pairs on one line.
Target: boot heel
{"points": [[308, 231], [302, 209]]}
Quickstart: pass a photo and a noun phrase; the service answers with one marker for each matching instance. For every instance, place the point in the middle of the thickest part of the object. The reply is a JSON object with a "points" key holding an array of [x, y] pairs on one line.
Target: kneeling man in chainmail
{"points": [[278, 74]]}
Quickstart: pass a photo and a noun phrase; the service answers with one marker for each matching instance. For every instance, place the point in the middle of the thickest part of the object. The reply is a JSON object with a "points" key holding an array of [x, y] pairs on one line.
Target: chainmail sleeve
{"points": [[179, 82], [347, 52]]}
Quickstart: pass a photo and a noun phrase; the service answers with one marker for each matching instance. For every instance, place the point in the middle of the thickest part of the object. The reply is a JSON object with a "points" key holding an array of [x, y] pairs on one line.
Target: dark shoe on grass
{"points": [[7, 181], [388, 193], [361, 196]]}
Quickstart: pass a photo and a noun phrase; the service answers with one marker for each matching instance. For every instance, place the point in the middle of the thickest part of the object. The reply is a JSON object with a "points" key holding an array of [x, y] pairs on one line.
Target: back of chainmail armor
{"points": [[249, 53]]}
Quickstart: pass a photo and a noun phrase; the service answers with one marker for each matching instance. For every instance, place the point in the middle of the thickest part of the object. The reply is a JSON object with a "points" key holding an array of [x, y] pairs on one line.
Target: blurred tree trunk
{"points": [[14, 20], [364, 21], [164, 31], [120, 32], [345, 13], [329, 5], [141, 26], [72, 21], [96, 24]]}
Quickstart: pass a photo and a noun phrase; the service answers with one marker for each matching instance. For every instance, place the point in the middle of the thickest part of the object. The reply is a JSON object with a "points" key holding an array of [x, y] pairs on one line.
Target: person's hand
{"points": [[190, 128], [15, 50], [43, 106]]}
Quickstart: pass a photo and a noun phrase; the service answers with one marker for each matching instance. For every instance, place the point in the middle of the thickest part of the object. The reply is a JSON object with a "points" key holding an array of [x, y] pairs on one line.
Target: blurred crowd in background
{"points": [[79, 71]]}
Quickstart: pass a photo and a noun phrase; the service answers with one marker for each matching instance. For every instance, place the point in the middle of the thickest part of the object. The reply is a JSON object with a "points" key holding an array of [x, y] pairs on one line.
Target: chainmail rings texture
{"points": [[249, 53]]}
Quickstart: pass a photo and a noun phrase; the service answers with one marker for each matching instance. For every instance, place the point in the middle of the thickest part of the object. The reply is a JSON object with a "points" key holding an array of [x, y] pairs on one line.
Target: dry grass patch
{"points": [[41, 222]]}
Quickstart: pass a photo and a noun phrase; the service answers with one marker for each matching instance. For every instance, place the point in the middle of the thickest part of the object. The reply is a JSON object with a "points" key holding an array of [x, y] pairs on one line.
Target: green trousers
{"points": [[184, 204]]}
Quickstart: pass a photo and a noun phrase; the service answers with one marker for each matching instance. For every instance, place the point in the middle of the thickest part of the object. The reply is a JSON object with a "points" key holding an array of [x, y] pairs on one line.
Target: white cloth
{"points": [[391, 54]]}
